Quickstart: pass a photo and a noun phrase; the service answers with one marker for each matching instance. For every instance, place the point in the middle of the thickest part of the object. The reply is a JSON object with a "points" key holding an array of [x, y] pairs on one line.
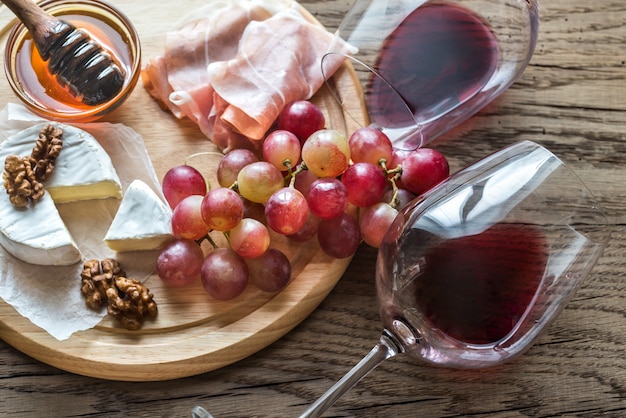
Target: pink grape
{"points": [[271, 271], [254, 210], [397, 158], [423, 169], [259, 180], [366, 184], [282, 149], [250, 238], [327, 198], [182, 181], [375, 221], [224, 274], [339, 237], [308, 230], [304, 180], [187, 221], [231, 164], [179, 262], [326, 153], [370, 145], [302, 118], [404, 197], [222, 209], [286, 211]]}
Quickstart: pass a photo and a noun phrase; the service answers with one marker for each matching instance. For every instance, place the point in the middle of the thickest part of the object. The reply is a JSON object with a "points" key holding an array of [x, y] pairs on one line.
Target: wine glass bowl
{"points": [[470, 273], [428, 65]]}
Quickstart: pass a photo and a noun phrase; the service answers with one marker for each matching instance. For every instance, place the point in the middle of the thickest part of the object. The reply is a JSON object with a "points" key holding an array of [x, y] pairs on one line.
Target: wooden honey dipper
{"points": [[79, 63]]}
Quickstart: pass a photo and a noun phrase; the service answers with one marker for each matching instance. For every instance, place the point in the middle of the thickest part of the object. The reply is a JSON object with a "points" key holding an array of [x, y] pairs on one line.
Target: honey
{"points": [[42, 92]]}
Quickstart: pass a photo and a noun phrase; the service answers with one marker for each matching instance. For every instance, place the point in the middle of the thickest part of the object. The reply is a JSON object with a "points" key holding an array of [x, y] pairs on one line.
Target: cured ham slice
{"points": [[279, 61], [178, 79], [232, 69]]}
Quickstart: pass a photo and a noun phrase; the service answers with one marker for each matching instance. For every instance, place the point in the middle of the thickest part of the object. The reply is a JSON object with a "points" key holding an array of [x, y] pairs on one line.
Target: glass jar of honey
{"points": [[39, 90]]}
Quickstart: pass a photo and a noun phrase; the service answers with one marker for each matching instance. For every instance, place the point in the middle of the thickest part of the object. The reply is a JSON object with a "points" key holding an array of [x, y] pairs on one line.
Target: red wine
{"points": [[440, 56], [477, 288]]}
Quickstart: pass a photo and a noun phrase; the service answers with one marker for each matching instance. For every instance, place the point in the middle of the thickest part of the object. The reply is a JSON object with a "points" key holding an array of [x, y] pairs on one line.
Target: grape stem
{"points": [[208, 238], [395, 176], [293, 174], [287, 163]]}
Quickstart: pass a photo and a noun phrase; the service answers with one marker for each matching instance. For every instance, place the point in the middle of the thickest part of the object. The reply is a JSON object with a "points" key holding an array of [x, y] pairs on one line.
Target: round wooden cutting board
{"points": [[192, 333]]}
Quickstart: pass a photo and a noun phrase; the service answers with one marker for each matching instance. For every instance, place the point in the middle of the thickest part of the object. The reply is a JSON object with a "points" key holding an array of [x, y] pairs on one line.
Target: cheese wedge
{"points": [[142, 222], [36, 234]]}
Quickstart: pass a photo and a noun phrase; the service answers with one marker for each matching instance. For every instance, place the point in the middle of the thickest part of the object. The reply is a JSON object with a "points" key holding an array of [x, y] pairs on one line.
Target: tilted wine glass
{"points": [[470, 273], [427, 66]]}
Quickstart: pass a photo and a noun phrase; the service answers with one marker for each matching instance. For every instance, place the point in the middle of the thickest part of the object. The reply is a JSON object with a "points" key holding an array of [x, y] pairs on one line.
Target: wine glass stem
{"points": [[386, 348]]}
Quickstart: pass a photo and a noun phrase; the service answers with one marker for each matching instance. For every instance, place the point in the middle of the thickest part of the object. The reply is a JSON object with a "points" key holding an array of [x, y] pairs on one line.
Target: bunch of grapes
{"points": [[309, 181]]}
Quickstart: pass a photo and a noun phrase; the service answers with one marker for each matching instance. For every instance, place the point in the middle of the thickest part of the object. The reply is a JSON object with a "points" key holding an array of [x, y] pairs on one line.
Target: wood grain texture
{"points": [[571, 99]]}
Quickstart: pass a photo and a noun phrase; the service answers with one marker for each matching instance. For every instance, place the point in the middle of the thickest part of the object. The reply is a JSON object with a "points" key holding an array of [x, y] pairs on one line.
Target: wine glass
{"points": [[428, 65], [472, 271]]}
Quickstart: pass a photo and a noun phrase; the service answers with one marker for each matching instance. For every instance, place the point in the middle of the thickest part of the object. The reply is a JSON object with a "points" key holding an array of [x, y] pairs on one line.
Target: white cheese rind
{"points": [[83, 171], [142, 222], [36, 234]]}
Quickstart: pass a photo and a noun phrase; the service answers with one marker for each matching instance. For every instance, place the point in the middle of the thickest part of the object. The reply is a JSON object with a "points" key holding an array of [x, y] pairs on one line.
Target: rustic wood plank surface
{"points": [[571, 99]]}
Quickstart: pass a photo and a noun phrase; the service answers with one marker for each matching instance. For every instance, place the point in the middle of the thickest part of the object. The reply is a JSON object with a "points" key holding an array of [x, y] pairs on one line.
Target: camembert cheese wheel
{"points": [[142, 222], [83, 171]]}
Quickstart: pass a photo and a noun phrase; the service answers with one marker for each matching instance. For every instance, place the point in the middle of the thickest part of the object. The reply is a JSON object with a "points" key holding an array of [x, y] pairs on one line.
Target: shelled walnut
{"points": [[46, 151], [127, 299], [20, 181], [23, 176]]}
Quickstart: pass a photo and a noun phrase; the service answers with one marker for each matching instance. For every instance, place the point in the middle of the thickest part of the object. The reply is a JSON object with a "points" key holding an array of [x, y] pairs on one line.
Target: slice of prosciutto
{"points": [[279, 61], [178, 78], [234, 65]]}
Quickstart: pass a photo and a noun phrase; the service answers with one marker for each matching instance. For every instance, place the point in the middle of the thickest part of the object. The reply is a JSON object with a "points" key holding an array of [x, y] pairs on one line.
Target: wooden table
{"points": [[572, 98]]}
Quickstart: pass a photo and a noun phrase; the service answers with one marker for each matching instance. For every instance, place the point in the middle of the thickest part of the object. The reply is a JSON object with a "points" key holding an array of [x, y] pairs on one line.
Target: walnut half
{"points": [[23, 176], [127, 299], [20, 181]]}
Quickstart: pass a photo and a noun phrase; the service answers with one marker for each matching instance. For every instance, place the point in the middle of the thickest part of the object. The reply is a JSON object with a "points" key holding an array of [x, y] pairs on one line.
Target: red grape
{"points": [[366, 184], [187, 221], [271, 271], [327, 198], [254, 210], [339, 237], [250, 238], [302, 118], [286, 211], [370, 145], [258, 181], [224, 274], [179, 262], [398, 155], [326, 153], [404, 197], [222, 209], [231, 164], [282, 149], [182, 181], [424, 168], [308, 230], [374, 222], [304, 180]]}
